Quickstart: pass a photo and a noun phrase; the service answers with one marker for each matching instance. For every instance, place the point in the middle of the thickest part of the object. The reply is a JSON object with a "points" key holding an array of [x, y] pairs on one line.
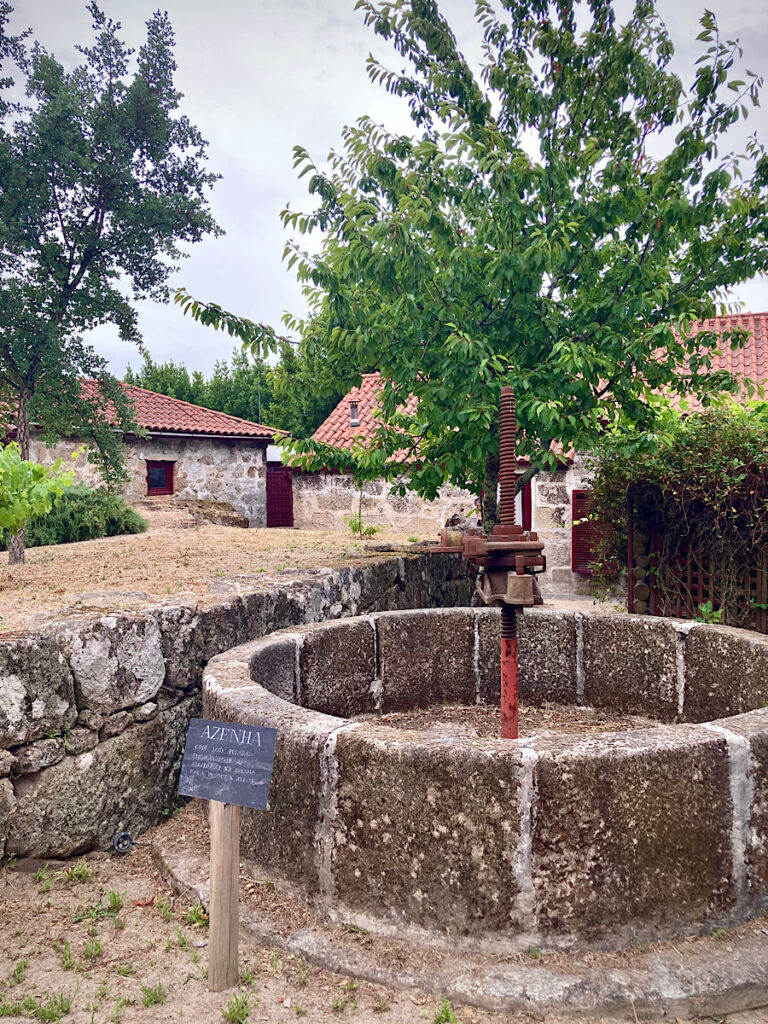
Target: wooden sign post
{"points": [[230, 765]]}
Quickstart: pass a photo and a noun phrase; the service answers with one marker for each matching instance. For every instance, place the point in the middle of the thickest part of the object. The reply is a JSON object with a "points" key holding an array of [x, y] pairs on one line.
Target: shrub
{"points": [[82, 513]]}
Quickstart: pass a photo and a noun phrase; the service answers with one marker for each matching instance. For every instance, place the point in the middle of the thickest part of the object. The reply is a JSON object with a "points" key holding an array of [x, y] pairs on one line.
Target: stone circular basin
{"points": [[556, 840]]}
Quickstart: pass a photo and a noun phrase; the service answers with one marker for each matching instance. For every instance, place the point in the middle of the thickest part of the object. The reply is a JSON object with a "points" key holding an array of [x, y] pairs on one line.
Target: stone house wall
{"points": [[324, 500], [209, 469]]}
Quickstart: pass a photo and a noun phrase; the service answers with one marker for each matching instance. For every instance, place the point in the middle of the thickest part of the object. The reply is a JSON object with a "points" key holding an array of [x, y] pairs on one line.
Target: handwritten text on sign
{"points": [[228, 762]]}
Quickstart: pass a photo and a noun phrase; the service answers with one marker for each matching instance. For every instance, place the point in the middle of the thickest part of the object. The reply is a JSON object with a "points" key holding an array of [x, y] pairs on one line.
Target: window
{"points": [[353, 419], [159, 477]]}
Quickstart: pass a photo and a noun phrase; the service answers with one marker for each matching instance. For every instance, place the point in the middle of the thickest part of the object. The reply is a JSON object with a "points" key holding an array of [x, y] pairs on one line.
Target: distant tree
{"points": [[100, 181], [556, 223], [170, 378]]}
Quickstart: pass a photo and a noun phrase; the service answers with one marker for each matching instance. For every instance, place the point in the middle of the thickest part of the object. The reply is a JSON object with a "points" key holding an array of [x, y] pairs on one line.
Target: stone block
{"points": [[7, 761], [631, 835], [90, 720], [77, 741], [488, 666], [426, 832], [144, 712], [115, 724], [117, 662], [753, 727], [282, 836], [426, 657], [7, 809], [39, 755], [630, 665], [273, 665], [337, 668], [726, 672], [547, 656], [36, 691], [122, 785], [182, 645]]}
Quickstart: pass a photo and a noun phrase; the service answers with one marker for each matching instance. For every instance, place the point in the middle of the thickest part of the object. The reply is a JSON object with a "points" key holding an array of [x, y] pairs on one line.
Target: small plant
{"points": [[535, 952], [165, 910], [77, 873], [719, 934], [17, 974], [125, 970], [181, 939], [381, 1005], [276, 964], [359, 528], [706, 613], [238, 1009], [299, 1010], [445, 1014], [93, 949], [42, 876], [153, 995], [117, 1010], [248, 978], [115, 902], [53, 1010], [196, 916], [414, 540], [66, 957]]}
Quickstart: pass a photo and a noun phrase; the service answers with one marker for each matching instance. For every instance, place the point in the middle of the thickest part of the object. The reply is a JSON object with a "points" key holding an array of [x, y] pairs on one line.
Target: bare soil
{"points": [[180, 555], [472, 720]]}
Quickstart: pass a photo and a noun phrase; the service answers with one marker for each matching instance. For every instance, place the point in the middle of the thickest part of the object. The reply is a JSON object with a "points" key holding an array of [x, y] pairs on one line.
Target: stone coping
{"points": [[557, 841]]}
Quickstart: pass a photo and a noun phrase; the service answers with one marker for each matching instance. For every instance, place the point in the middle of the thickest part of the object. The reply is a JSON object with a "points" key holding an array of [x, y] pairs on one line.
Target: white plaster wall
{"points": [[323, 500], [209, 469]]}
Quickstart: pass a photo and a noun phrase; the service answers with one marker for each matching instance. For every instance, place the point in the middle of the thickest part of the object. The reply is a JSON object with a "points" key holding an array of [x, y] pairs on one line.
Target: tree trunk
{"points": [[16, 544], [490, 492]]}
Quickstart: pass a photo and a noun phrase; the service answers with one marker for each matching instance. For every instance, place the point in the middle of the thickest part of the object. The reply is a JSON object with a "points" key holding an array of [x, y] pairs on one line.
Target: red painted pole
{"points": [[507, 498]]}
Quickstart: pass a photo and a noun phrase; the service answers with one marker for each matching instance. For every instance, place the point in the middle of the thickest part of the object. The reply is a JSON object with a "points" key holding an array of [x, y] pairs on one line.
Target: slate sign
{"points": [[228, 762]]}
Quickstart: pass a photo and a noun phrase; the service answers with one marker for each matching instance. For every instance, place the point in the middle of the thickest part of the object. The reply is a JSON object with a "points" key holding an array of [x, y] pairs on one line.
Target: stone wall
{"points": [[94, 712], [556, 840], [209, 469], [324, 500]]}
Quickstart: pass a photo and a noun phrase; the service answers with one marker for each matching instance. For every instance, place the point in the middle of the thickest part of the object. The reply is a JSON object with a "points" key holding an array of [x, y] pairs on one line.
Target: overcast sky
{"points": [[260, 76]]}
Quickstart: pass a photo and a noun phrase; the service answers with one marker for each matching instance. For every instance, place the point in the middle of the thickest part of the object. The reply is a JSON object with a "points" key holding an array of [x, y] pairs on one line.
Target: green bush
{"points": [[82, 513]]}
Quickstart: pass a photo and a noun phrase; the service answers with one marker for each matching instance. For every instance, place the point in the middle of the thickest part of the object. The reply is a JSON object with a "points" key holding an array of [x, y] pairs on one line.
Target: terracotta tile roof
{"points": [[164, 415], [337, 429], [750, 361]]}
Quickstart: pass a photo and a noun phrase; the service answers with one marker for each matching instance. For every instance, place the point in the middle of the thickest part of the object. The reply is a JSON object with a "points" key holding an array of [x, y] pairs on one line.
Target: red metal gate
{"points": [[279, 495]]}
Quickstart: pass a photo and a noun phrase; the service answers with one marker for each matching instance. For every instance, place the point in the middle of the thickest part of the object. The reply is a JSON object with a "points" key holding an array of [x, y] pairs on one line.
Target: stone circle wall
{"points": [[554, 841], [93, 713]]}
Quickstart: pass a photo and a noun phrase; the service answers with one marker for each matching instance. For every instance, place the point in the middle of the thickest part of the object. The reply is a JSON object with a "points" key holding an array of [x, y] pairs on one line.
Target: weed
{"points": [[197, 916], [53, 1010], [237, 1009], [165, 910], [299, 1010], [103, 990], [66, 957], [115, 902], [248, 978], [381, 1005], [93, 949], [42, 876], [534, 951], [120, 1002], [352, 929], [125, 970], [445, 1014], [17, 975], [413, 540], [153, 995], [182, 939], [707, 613], [719, 933], [77, 873]]}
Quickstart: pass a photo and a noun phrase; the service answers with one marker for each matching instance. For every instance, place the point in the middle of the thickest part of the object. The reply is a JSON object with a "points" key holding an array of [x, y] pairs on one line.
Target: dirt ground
{"points": [[480, 721], [180, 555], [102, 939]]}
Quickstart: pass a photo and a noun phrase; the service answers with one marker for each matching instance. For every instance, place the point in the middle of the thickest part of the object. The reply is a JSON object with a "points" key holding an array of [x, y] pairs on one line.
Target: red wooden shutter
{"points": [[583, 534]]}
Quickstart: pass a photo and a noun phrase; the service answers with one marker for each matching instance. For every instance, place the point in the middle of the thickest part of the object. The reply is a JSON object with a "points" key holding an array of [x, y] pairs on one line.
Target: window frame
{"points": [[167, 466]]}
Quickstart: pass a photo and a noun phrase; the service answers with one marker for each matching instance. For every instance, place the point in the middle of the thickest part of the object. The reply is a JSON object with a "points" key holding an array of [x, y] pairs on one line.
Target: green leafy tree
{"points": [[556, 222], [101, 181], [169, 378], [27, 489]]}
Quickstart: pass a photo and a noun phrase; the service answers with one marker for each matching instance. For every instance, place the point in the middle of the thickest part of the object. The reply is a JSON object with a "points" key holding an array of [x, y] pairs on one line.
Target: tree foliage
{"points": [[556, 222], [26, 488], [101, 183], [703, 494]]}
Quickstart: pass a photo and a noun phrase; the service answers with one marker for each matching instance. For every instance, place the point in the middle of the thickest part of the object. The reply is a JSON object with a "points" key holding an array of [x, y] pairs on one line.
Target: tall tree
{"points": [[556, 222], [101, 180]]}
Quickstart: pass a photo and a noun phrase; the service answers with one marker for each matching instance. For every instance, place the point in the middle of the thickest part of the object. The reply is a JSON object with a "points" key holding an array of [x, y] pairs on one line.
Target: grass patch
{"points": [[238, 1009], [196, 916], [153, 995]]}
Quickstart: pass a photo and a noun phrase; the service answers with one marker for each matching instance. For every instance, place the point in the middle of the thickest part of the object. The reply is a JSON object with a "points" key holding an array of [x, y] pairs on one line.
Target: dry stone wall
{"points": [[208, 469], [94, 712]]}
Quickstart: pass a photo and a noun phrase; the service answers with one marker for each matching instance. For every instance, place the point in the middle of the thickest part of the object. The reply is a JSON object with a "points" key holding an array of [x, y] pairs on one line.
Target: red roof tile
{"points": [[750, 361], [337, 429], [164, 415]]}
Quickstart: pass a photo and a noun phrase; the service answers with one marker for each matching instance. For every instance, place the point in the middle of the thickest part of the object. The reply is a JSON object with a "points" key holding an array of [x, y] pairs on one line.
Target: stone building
{"points": [[189, 451]]}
